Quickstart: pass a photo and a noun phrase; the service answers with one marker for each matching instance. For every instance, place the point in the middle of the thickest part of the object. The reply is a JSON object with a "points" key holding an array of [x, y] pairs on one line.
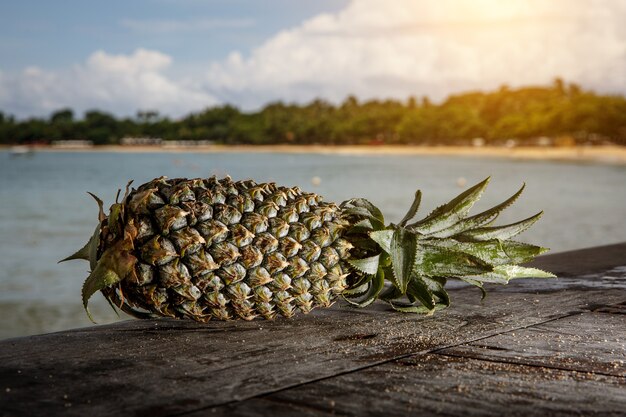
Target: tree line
{"points": [[557, 114]]}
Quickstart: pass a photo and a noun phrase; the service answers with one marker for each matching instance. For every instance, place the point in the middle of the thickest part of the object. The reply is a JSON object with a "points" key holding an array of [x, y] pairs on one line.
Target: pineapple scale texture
{"points": [[221, 249]]}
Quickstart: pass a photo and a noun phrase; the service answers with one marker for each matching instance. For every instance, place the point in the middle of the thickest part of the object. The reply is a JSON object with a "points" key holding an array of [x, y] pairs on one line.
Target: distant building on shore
{"points": [[146, 141], [186, 143], [130, 141]]}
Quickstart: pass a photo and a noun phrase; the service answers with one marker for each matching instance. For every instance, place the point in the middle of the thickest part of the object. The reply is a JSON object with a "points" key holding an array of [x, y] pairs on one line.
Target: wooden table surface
{"points": [[534, 347]]}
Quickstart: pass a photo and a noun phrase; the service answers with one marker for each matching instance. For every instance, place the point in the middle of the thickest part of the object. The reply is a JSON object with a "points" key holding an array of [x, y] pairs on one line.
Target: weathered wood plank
{"points": [[182, 366], [166, 367], [428, 385], [590, 342]]}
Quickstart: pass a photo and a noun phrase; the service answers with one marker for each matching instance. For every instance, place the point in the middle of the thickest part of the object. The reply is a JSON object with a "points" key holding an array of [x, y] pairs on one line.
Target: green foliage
{"points": [[417, 259], [565, 113]]}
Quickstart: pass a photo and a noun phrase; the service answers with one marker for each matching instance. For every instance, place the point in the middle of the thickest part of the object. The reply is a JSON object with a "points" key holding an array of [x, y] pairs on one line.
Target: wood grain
{"points": [[590, 342], [450, 386], [167, 367]]}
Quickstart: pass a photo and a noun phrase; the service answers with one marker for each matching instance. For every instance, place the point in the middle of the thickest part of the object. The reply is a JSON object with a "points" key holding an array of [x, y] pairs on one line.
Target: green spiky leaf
{"points": [[417, 290], [114, 265], [82, 253], [100, 278], [116, 215], [480, 219], [89, 252], [416, 308], [391, 292], [493, 252], [410, 308], [436, 285], [451, 212], [413, 209], [383, 238], [502, 274], [101, 215], [363, 226], [500, 232], [475, 283], [363, 212], [357, 291], [403, 247], [372, 209], [359, 211], [374, 288], [366, 265], [442, 262], [363, 208]]}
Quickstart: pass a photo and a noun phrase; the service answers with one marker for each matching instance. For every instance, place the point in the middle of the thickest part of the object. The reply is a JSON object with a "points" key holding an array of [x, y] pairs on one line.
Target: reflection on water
{"points": [[45, 213]]}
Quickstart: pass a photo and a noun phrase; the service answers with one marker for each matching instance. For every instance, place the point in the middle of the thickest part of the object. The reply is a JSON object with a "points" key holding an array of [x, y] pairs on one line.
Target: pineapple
{"points": [[209, 248]]}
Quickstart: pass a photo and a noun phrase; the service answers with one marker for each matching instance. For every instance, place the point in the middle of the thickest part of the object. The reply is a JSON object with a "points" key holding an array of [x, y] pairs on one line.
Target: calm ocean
{"points": [[45, 213]]}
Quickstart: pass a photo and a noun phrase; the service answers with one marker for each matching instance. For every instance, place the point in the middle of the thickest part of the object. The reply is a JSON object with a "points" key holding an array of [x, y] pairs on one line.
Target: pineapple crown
{"points": [[409, 263]]}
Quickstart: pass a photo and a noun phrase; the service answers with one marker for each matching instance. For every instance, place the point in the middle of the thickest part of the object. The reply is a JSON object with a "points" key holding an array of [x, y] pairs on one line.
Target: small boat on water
{"points": [[21, 151]]}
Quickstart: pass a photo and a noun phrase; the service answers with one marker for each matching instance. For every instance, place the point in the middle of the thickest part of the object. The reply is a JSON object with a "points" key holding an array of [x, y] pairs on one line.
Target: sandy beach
{"points": [[598, 154]]}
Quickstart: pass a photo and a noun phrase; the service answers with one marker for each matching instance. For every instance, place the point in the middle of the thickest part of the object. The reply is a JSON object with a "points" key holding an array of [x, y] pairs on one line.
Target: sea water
{"points": [[45, 213]]}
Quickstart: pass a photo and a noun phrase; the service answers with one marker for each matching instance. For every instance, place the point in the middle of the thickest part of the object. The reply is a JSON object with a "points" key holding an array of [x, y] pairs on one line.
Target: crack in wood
{"points": [[532, 365], [398, 358]]}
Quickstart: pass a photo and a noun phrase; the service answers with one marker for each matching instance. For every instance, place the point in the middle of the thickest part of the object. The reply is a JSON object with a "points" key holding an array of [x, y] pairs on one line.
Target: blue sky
{"points": [[179, 56], [55, 34]]}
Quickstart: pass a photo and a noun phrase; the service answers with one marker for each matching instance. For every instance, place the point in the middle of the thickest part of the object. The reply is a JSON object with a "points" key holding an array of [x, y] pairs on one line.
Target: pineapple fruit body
{"points": [[224, 249], [221, 249]]}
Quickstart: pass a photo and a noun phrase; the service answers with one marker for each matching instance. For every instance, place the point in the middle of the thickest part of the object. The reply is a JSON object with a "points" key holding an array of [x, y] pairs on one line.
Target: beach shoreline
{"points": [[601, 154]]}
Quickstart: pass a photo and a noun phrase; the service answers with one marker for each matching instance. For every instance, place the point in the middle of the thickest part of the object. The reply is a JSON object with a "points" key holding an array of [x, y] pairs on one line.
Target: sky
{"points": [[180, 56]]}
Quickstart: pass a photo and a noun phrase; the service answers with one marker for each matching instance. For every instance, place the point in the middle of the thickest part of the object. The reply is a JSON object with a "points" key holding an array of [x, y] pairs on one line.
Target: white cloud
{"points": [[121, 84], [371, 48], [398, 48]]}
